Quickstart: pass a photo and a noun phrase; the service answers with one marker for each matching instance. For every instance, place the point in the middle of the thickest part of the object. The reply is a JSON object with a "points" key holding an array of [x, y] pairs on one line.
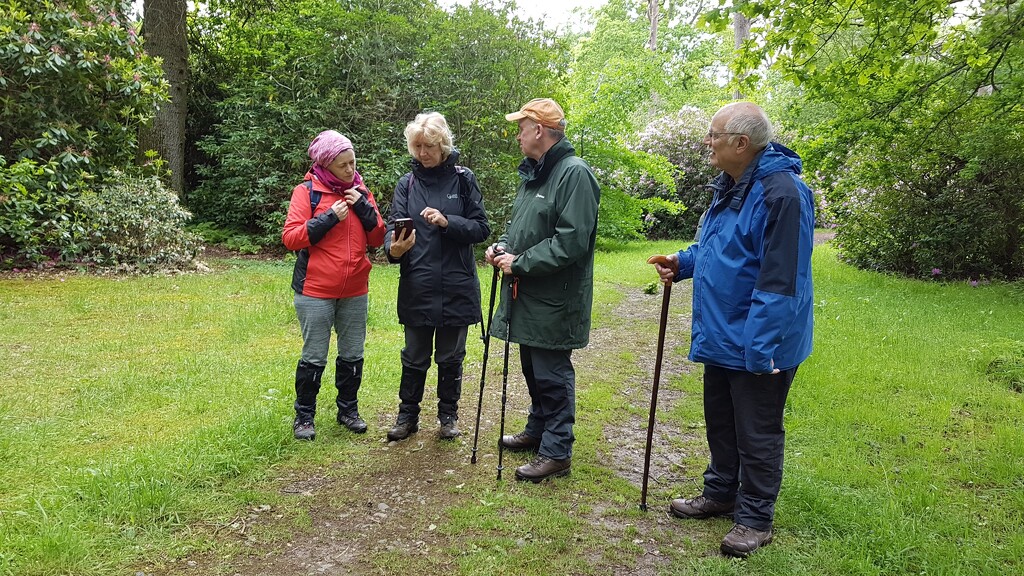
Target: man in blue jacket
{"points": [[752, 318]]}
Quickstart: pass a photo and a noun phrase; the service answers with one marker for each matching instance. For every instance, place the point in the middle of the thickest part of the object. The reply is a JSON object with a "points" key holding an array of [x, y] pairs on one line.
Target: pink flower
{"points": [[936, 271], [33, 27], [56, 49], [137, 77], [973, 283]]}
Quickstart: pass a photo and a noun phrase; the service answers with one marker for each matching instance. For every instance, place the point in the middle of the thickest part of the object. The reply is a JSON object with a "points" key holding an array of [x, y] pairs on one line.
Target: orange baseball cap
{"points": [[543, 111]]}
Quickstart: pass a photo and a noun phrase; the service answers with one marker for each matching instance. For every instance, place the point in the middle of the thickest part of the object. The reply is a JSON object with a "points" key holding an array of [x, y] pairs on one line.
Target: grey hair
{"points": [[555, 133], [751, 120], [432, 128]]}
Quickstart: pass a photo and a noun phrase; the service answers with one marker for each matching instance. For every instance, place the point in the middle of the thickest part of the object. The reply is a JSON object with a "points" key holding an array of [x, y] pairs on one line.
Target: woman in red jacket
{"points": [[332, 218]]}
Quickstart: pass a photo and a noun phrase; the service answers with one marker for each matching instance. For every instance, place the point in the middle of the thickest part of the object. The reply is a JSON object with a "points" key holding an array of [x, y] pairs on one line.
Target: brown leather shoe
{"points": [[543, 468], [700, 507], [742, 540], [521, 442]]}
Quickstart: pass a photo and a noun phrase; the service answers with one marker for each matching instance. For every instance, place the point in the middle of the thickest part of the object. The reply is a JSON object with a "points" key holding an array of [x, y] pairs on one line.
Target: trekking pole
{"points": [[657, 376], [485, 335], [504, 373]]}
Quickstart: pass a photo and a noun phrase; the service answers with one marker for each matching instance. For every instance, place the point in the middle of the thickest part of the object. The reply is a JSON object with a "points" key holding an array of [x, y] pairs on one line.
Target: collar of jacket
{"points": [[531, 170], [726, 190], [431, 174]]}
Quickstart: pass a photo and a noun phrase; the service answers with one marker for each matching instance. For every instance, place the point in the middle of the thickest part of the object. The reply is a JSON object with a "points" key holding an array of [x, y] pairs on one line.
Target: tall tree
{"points": [[164, 28], [652, 17], [741, 33]]}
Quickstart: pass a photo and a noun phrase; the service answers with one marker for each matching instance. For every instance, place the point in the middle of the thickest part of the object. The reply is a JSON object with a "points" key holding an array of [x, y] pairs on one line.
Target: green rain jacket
{"points": [[552, 233]]}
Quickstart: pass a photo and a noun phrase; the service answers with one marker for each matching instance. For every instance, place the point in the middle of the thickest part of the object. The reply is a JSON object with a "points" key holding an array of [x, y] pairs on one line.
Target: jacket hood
{"points": [[777, 158]]}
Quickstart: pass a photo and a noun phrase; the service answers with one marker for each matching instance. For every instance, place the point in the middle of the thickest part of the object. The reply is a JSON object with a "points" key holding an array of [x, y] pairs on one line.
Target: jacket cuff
{"points": [[367, 215]]}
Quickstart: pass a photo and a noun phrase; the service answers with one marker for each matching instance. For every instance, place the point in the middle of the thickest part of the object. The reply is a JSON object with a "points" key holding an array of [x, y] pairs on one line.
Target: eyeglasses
{"points": [[712, 134]]}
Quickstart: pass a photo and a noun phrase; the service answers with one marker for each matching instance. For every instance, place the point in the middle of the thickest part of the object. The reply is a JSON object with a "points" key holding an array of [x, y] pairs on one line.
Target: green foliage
{"points": [[131, 222], [617, 87], [39, 220], [265, 85], [931, 214], [679, 138], [75, 86], [230, 239], [921, 129]]}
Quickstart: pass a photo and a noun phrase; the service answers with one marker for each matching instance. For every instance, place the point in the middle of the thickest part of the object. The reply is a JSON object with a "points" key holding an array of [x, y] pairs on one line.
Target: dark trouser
{"points": [[743, 413], [449, 347], [551, 379]]}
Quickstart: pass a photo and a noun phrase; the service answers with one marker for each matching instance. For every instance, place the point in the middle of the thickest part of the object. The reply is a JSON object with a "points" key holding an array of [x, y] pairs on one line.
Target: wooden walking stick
{"points": [[657, 375]]}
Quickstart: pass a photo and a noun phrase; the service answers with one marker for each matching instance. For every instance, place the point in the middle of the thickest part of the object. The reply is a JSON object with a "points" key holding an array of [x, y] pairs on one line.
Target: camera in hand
{"points": [[403, 227]]}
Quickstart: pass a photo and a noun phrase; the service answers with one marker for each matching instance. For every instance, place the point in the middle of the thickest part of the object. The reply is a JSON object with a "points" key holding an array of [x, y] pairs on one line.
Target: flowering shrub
{"points": [[679, 138], [75, 86], [75, 83], [136, 223], [38, 219]]}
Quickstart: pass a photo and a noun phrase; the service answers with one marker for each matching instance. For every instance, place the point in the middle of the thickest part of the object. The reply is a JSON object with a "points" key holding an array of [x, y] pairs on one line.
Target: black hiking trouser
{"points": [[743, 413]]}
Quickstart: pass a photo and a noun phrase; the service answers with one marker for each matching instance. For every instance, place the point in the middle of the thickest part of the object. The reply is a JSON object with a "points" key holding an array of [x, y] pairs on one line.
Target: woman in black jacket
{"points": [[440, 205]]}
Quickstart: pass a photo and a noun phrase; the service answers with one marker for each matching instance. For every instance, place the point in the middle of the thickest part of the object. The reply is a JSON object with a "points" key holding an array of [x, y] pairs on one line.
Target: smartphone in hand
{"points": [[403, 227]]}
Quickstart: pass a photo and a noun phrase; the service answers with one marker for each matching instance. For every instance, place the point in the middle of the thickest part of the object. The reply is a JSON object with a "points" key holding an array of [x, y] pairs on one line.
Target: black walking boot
{"points": [[348, 376], [307, 385], [449, 391], [410, 392]]}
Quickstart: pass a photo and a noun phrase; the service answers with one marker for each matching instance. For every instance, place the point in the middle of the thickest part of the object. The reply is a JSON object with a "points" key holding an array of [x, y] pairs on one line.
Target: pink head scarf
{"points": [[323, 150], [326, 147]]}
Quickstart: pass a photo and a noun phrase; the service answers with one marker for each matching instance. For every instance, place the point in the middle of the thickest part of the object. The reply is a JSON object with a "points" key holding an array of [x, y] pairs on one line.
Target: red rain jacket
{"points": [[331, 260]]}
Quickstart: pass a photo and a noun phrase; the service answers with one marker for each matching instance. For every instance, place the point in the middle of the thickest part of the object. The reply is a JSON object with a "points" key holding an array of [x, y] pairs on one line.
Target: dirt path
{"points": [[340, 519], [395, 502]]}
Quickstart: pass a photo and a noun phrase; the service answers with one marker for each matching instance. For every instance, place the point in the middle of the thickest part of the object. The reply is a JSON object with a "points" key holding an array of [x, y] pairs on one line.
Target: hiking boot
{"points": [[353, 422], [700, 507], [742, 540], [543, 468], [448, 430], [402, 429], [521, 442], [304, 430]]}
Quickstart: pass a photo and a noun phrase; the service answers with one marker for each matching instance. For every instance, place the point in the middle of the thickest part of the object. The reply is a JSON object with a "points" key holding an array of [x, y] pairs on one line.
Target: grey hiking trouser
{"points": [[317, 316]]}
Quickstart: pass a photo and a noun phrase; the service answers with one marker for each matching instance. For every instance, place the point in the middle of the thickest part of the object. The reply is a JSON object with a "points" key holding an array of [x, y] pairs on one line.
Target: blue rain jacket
{"points": [[753, 297]]}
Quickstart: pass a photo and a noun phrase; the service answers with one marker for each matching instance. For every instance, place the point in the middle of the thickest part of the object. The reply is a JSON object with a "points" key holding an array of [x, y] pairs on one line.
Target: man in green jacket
{"points": [[548, 252]]}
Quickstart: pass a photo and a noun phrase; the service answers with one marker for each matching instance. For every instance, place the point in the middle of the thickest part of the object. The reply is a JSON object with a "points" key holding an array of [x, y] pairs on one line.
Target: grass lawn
{"points": [[145, 426]]}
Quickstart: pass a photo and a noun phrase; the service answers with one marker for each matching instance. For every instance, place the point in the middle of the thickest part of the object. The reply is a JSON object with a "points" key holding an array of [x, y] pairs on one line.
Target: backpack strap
{"points": [[463, 184], [314, 198]]}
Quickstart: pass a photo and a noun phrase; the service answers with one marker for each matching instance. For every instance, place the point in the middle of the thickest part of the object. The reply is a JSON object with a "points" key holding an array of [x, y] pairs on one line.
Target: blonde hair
{"points": [[432, 128]]}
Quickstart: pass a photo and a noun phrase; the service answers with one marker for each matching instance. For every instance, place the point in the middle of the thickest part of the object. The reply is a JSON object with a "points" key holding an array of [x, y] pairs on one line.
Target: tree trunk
{"points": [[652, 17], [741, 32], [164, 29]]}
